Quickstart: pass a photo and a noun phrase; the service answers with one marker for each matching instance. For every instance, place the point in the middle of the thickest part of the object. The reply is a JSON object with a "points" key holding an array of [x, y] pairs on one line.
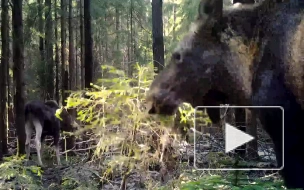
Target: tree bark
{"points": [[18, 58], [81, 43], [105, 39], [71, 139], [41, 48], [3, 78], [252, 148], [72, 83], [56, 55], [49, 50], [63, 49], [88, 44], [117, 28], [174, 20], [157, 34], [76, 62], [131, 64], [240, 123], [128, 46]]}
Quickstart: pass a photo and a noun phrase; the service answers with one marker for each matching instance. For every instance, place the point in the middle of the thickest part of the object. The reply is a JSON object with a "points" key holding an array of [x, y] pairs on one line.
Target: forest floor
{"points": [[52, 177], [76, 173]]}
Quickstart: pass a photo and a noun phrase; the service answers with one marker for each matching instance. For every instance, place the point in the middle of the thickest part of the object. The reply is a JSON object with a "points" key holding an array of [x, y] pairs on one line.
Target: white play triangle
{"points": [[235, 138]]}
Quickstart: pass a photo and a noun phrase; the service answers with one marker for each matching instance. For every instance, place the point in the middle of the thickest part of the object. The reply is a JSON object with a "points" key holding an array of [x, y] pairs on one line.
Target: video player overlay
{"points": [[236, 142]]}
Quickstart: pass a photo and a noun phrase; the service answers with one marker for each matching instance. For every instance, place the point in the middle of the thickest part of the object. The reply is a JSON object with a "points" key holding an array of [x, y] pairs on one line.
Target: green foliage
{"points": [[215, 182], [14, 174], [116, 113]]}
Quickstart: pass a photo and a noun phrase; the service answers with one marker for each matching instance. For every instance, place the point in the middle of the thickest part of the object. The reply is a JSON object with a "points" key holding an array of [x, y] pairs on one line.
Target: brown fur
{"points": [[243, 55]]}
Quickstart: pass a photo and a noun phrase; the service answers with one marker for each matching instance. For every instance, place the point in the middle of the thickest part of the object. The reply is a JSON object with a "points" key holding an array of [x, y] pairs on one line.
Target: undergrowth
{"points": [[14, 175], [125, 142]]}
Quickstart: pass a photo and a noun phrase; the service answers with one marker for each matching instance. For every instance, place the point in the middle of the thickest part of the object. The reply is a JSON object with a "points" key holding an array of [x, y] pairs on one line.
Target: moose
{"points": [[245, 55], [40, 116]]}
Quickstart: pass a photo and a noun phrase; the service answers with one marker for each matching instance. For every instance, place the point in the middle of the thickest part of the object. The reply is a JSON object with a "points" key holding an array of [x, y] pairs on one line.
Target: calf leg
{"points": [[28, 132], [41, 148], [58, 154], [56, 145], [38, 128], [42, 143]]}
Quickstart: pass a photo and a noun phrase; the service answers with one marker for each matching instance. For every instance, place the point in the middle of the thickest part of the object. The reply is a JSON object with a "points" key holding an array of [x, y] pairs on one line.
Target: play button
{"points": [[235, 138]]}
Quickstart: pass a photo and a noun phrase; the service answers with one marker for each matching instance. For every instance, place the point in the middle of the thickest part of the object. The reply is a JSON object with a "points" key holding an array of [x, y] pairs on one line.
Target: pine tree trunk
{"points": [[71, 139], [240, 121], [3, 78], [117, 28], [76, 62], [56, 55], [41, 49], [174, 21], [131, 64], [81, 44], [49, 50], [63, 49], [88, 44], [72, 83], [252, 149], [157, 32], [18, 58]]}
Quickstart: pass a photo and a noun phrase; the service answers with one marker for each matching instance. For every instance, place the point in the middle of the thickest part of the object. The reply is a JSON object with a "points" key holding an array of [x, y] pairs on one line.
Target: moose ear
{"points": [[210, 9]]}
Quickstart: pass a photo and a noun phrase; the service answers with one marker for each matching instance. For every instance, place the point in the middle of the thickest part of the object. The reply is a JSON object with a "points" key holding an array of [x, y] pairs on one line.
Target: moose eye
{"points": [[176, 56]]}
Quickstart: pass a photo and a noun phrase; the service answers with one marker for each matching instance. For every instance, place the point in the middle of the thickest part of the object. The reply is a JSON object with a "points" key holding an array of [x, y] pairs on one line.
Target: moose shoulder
{"points": [[243, 55]]}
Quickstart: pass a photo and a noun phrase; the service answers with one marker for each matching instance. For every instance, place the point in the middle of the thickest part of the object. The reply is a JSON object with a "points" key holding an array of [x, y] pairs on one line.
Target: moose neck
{"points": [[242, 47], [236, 85]]}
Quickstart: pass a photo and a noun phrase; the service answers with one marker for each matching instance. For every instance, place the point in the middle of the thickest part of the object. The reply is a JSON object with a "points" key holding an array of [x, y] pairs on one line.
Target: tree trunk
{"points": [[41, 49], [10, 107], [56, 55], [71, 139], [81, 44], [63, 49], [18, 58], [157, 34], [49, 50], [174, 21], [88, 44], [72, 83], [3, 78], [105, 39], [128, 47], [252, 148], [76, 62], [240, 123], [117, 29], [131, 63]]}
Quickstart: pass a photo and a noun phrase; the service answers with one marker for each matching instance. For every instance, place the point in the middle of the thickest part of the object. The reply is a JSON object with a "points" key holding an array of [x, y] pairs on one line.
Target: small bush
{"points": [[14, 175]]}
